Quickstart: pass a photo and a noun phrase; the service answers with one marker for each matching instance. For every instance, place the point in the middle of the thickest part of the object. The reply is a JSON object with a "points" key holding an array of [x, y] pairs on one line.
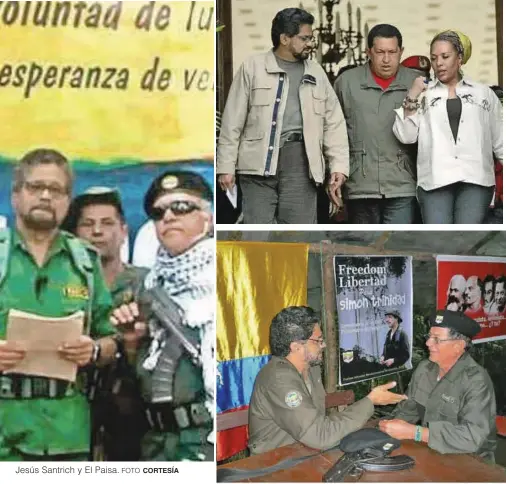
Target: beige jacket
{"points": [[253, 116]]}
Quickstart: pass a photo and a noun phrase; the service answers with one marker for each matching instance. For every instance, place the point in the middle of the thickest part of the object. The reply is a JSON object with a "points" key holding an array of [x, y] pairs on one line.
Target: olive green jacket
{"points": [[459, 410], [283, 410], [380, 165]]}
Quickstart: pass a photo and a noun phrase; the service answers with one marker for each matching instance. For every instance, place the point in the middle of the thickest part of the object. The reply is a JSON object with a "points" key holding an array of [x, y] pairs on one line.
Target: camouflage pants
{"points": [[190, 444]]}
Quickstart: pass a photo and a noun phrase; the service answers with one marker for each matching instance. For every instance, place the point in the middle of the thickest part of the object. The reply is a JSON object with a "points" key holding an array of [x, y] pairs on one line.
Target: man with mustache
{"points": [[489, 306], [472, 298], [181, 419], [500, 294], [382, 179], [451, 401], [282, 129], [288, 401], [455, 293], [118, 418], [49, 273]]}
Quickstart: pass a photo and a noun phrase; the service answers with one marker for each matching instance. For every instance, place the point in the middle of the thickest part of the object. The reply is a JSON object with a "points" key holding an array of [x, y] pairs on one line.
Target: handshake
{"points": [[381, 396]]}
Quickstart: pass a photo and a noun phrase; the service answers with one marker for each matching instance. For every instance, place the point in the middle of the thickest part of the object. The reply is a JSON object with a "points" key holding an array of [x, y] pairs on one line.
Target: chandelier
{"points": [[335, 42]]}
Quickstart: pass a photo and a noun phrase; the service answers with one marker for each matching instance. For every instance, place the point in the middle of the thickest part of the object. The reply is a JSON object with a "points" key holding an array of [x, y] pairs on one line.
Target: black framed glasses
{"points": [[436, 339], [320, 341], [178, 207], [39, 187]]}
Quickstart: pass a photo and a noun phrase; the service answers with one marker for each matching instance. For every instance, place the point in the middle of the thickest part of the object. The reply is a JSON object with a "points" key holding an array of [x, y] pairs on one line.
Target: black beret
{"points": [[457, 321], [395, 313], [177, 181], [367, 438], [92, 196]]}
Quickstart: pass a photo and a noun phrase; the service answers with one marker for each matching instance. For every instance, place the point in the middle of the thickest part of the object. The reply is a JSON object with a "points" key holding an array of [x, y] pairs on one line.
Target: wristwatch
{"points": [[96, 353]]}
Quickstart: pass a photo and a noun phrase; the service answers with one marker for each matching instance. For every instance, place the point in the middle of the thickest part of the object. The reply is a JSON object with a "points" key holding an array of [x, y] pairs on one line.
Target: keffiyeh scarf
{"points": [[189, 279]]}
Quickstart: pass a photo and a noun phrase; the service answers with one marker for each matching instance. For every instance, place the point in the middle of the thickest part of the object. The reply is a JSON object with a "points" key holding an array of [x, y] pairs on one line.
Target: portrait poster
{"points": [[477, 287], [369, 291]]}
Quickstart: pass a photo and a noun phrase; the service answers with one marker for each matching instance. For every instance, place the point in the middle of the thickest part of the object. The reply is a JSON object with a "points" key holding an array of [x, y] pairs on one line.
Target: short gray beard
{"points": [[44, 225]]}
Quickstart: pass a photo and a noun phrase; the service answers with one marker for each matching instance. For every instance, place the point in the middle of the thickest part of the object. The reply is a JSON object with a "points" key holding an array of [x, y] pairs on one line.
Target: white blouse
{"points": [[442, 161]]}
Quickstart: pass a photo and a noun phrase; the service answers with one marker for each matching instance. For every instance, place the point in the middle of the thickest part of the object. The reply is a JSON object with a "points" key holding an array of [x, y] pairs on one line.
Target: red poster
{"points": [[476, 286]]}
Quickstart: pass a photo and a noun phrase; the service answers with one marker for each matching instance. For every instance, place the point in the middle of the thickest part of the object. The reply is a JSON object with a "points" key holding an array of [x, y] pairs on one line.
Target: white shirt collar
{"points": [[437, 83]]}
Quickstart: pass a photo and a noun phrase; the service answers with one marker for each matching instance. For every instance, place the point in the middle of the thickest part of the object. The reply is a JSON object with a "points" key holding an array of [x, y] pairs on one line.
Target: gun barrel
{"points": [[162, 317]]}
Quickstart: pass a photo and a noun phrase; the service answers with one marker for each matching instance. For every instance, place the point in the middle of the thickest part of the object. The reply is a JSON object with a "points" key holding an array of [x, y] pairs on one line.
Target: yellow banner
{"points": [[254, 281], [108, 80]]}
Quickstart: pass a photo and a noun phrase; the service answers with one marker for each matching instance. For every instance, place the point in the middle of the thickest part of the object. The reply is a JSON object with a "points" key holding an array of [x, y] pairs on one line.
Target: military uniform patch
{"points": [[76, 292], [169, 182], [347, 356], [293, 399]]}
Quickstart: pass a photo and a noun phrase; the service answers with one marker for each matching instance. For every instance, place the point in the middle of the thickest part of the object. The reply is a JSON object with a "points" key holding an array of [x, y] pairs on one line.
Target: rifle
{"points": [[158, 308], [367, 450]]}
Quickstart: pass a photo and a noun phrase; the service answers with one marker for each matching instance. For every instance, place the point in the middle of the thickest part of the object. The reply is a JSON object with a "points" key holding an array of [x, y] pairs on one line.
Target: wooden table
{"points": [[430, 466]]}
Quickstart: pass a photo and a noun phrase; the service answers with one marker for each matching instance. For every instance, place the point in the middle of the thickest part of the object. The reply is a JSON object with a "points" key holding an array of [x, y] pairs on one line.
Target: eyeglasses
{"points": [[307, 39], [38, 188], [178, 207], [320, 341], [436, 339]]}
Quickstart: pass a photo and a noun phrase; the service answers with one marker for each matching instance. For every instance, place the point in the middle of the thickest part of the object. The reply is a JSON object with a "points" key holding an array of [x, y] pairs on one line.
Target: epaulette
{"points": [[87, 245]]}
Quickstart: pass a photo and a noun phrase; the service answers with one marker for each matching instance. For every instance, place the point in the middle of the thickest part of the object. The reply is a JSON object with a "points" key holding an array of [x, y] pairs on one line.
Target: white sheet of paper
{"points": [[41, 337], [232, 196]]}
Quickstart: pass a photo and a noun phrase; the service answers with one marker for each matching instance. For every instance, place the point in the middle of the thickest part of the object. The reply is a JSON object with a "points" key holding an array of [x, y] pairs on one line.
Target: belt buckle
{"points": [[6, 388]]}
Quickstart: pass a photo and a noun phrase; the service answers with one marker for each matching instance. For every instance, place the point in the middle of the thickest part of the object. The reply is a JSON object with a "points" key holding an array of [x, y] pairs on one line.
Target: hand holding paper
{"points": [[78, 351], [42, 338], [10, 355]]}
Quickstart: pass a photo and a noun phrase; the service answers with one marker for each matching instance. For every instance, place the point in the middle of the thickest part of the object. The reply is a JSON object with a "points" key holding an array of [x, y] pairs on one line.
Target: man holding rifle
{"points": [[173, 337]]}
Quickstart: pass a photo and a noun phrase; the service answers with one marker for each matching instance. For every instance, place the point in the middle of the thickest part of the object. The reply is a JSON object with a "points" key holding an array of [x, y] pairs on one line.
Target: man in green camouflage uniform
{"points": [[181, 417], [118, 417], [50, 273], [288, 400], [450, 396]]}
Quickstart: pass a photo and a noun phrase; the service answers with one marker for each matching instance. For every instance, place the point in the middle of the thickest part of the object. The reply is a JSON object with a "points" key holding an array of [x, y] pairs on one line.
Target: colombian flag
{"points": [[255, 280]]}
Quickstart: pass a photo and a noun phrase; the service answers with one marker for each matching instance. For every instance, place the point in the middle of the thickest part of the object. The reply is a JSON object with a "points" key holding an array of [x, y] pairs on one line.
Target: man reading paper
{"points": [[50, 273]]}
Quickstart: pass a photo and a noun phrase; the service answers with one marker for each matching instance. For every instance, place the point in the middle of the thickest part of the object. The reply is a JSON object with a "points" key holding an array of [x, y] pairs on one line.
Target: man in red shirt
{"points": [[382, 180]]}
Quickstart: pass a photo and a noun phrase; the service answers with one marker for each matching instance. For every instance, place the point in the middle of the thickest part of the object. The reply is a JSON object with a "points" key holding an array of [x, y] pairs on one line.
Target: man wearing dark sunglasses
{"points": [[118, 419], [181, 427]]}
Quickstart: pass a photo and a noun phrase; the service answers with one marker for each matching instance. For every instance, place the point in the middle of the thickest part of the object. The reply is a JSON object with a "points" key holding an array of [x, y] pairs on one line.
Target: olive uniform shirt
{"points": [[283, 410], [118, 407], [58, 425], [127, 284], [188, 403], [459, 410]]}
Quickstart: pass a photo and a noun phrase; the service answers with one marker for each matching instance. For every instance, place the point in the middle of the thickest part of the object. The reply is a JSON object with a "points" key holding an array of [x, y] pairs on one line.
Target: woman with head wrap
{"points": [[458, 126]]}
